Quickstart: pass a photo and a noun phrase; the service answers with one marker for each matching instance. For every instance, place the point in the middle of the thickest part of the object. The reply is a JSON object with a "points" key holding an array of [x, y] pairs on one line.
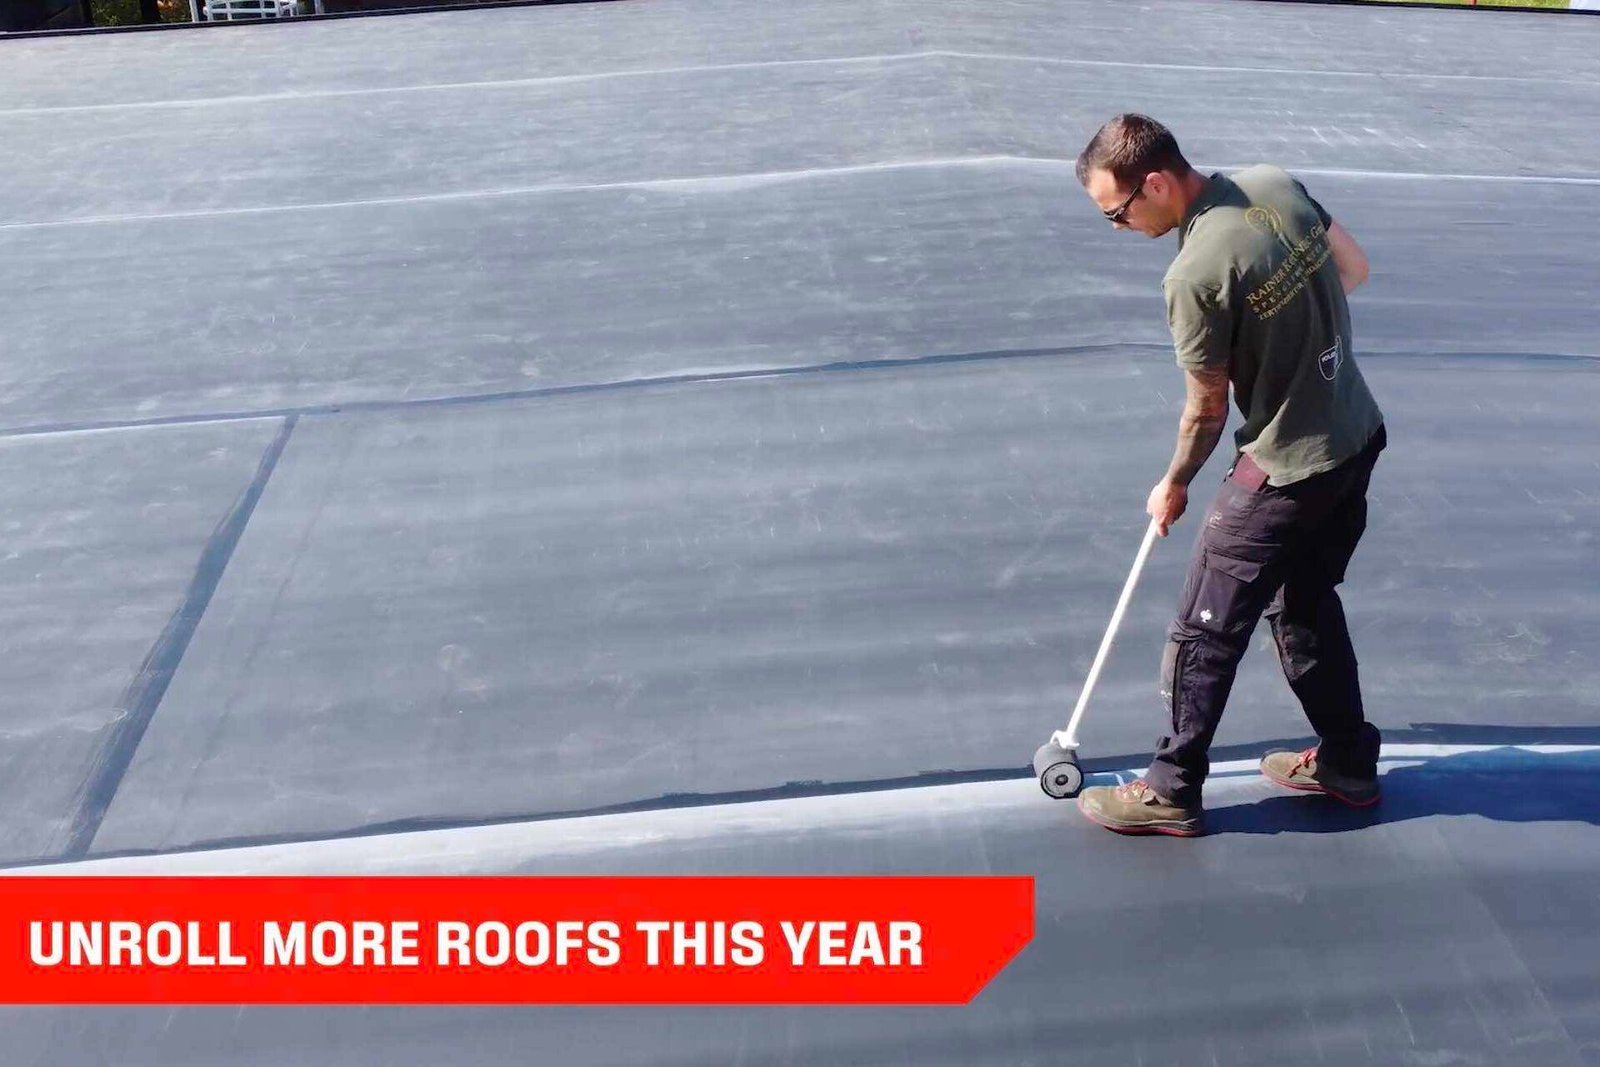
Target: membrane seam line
{"points": [[577, 389], [666, 803], [144, 693], [1101, 771], [717, 68], [359, 407], [711, 182], [547, 189]]}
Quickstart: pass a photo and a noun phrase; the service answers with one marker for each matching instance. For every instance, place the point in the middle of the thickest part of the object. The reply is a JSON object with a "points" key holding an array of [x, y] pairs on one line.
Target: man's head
{"points": [[1133, 171]]}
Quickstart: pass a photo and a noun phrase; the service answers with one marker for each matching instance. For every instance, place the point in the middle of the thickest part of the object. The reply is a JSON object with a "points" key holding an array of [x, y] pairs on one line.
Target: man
{"points": [[1255, 299]]}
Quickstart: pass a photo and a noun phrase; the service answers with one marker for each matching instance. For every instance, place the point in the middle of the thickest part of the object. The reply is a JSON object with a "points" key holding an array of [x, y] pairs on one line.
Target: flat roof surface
{"points": [[710, 437]]}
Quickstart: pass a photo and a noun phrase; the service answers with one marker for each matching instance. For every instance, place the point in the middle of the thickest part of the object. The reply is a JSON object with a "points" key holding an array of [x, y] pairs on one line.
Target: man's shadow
{"points": [[1505, 783]]}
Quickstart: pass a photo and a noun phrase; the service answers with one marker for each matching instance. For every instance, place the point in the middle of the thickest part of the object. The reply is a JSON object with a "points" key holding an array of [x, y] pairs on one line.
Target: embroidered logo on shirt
{"points": [[1330, 361], [1265, 219]]}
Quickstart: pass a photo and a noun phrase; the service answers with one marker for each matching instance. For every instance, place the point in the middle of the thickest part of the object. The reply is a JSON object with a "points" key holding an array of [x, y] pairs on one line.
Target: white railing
{"points": [[232, 10]]}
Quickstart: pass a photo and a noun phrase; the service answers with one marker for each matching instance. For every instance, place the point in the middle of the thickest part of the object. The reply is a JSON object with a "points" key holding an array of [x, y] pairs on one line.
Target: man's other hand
{"points": [[1167, 502]]}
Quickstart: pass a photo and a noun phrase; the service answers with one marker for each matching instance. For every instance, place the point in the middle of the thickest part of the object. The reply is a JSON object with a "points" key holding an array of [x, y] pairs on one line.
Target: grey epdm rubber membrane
{"points": [[709, 437]]}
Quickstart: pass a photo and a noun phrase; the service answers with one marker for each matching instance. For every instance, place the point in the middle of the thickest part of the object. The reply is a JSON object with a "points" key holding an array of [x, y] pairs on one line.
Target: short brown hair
{"points": [[1131, 146]]}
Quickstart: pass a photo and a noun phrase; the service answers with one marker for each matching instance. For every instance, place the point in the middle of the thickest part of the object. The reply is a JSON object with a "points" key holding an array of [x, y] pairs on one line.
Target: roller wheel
{"points": [[1058, 771]]}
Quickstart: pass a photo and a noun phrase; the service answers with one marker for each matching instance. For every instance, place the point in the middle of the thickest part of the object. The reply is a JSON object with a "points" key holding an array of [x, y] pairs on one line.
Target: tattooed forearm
{"points": [[1197, 437], [1205, 413]]}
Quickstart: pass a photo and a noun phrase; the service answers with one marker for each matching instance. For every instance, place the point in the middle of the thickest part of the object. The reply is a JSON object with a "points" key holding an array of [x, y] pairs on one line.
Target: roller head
{"points": [[1058, 772]]}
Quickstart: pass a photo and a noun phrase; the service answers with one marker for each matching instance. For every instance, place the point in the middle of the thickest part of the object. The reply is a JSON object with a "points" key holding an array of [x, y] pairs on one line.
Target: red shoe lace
{"points": [[1134, 790], [1307, 758]]}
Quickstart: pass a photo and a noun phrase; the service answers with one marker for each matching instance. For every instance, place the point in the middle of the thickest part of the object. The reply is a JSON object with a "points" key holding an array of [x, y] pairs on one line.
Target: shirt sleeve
{"points": [[1202, 327], [1322, 212]]}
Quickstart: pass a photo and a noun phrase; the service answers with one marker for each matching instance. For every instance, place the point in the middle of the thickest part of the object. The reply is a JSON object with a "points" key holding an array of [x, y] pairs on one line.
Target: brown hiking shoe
{"points": [[1136, 809], [1300, 770]]}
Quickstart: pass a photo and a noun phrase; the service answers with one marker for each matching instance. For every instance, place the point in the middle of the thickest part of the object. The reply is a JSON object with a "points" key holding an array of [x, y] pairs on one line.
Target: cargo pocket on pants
{"points": [[1226, 586], [1171, 679]]}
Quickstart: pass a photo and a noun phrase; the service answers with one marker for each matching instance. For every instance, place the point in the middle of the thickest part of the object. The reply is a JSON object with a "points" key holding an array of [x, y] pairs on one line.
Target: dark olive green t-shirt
{"points": [[1254, 288]]}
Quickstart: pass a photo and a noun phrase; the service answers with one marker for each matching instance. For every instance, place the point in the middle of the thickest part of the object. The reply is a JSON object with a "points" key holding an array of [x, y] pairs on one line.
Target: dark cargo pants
{"points": [[1282, 551]]}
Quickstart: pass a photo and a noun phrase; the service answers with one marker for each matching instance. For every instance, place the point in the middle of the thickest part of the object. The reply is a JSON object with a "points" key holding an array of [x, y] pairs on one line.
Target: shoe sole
{"points": [[1319, 788], [1140, 829]]}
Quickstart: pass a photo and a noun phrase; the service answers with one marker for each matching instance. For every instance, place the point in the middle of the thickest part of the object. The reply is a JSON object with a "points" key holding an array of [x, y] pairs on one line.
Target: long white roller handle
{"points": [[1068, 738]]}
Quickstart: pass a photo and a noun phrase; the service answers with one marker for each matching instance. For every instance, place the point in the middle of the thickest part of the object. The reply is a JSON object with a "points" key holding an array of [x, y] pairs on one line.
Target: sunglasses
{"points": [[1120, 215]]}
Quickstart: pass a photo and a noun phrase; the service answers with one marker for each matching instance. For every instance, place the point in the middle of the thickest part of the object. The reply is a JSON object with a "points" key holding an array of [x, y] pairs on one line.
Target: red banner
{"points": [[115, 940]]}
